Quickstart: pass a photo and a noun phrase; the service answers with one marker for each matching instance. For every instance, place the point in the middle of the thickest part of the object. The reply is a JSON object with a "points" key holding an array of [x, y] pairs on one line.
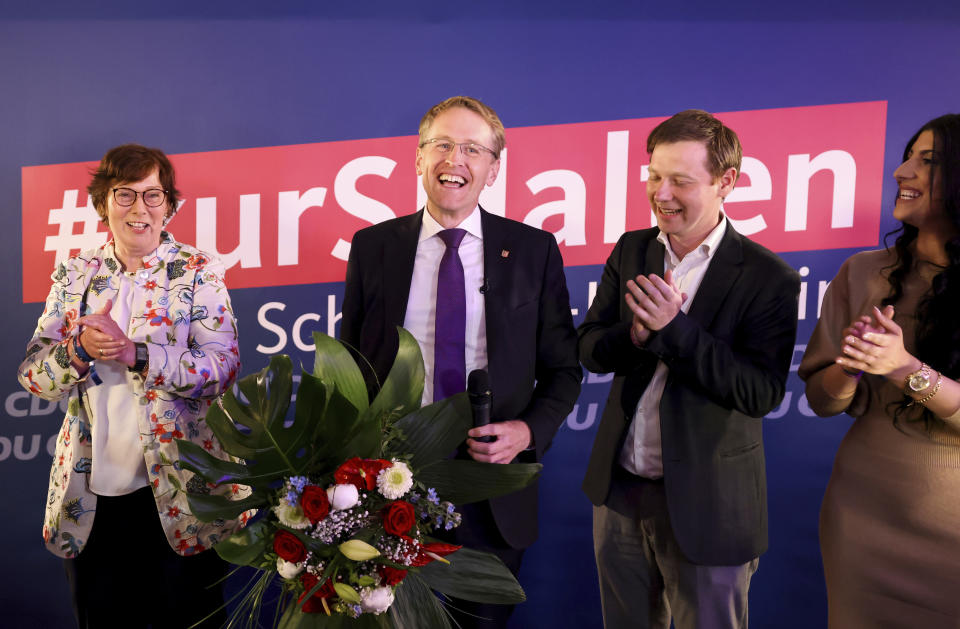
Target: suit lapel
{"points": [[654, 258], [721, 275], [499, 259], [399, 256]]}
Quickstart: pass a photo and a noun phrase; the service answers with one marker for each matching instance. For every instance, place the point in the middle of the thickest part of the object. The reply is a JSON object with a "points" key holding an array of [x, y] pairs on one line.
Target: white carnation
{"points": [[342, 497], [376, 600], [394, 481]]}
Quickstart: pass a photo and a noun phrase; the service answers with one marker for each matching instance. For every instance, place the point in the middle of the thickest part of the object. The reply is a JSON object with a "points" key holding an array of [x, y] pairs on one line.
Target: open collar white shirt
{"points": [[422, 300], [642, 453]]}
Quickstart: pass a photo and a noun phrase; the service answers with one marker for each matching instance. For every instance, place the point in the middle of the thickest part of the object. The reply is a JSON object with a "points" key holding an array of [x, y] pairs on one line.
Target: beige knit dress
{"points": [[890, 519]]}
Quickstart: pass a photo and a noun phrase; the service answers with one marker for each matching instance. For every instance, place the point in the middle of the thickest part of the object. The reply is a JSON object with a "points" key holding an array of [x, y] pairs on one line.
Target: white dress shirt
{"points": [[641, 453], [422, 300]]}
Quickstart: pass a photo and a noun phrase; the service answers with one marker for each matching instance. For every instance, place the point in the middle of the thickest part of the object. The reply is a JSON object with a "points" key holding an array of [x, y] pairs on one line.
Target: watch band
{"points": [[80, 352], [922, 375], [141, 357]]}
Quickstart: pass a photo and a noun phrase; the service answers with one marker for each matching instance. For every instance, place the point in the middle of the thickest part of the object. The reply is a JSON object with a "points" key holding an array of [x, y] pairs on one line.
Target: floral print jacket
{"points": [[182, 312]]}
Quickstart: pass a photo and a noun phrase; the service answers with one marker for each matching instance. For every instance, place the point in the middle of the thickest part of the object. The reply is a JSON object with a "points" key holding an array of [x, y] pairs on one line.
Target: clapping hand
{"points": [[103, 339], [875, 345], [654, 301]]}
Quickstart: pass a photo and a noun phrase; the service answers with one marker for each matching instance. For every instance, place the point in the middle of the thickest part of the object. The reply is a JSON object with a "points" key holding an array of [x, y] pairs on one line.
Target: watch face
{"points": [[918, 382]]}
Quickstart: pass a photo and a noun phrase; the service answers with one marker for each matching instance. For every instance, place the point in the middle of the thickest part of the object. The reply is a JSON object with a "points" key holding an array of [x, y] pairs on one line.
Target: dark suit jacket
{"points": [[531, 341], [728, 360]]}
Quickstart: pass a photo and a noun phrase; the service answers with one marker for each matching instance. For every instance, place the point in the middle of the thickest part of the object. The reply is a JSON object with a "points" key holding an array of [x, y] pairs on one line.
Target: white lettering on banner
{"points": [[247, 252], [67, 217], [615, 204], [356, 204], [291, 205], [582, 424], [300, 336], [822, 286], [16, 447], [271, 327], [10, 406], [760, 189], [800, 168], [37, 406], [573, 205]]}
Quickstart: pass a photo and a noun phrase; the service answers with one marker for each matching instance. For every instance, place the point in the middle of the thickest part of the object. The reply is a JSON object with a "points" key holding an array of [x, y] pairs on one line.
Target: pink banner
{"points": [[812, 179]]}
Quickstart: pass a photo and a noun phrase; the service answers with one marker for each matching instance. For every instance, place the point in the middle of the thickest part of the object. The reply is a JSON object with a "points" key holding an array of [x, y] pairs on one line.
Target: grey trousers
{"points": [[644, 576]]}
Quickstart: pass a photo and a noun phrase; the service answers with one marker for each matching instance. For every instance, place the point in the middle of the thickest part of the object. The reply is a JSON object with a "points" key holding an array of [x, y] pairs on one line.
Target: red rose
{"points": [[360, 472], [288, 547], [437, 548], [315, 603], [389, 575], [398, 518], [314, 503]]}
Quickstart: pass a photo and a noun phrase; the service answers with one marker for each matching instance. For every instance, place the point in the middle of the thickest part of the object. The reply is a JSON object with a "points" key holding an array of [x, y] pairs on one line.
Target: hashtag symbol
{"points": [[66, 217]]}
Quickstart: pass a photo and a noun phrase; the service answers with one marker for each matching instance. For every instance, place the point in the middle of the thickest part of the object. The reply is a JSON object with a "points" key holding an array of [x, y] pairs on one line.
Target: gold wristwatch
{"points": [[919, 381]]}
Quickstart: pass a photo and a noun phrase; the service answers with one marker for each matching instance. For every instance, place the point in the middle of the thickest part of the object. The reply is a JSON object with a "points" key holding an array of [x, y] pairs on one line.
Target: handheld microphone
{"points": [[478, 390]]}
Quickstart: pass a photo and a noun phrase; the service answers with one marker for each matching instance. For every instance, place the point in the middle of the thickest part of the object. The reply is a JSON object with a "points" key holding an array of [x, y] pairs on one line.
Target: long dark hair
{"points": [[938, 331]]}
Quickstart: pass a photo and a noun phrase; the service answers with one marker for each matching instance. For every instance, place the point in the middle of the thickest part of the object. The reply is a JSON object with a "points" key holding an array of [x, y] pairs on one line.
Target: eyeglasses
{"points": [[125, 197], [442, 146]]}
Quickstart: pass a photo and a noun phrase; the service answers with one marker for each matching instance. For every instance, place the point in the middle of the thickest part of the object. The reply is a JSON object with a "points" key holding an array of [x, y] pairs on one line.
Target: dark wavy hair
{"points": [[129, 163], [938, 330]]}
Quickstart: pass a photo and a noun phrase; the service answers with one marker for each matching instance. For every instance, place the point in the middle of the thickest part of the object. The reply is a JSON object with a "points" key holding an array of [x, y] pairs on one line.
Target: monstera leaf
{"points": [[269, 447]]}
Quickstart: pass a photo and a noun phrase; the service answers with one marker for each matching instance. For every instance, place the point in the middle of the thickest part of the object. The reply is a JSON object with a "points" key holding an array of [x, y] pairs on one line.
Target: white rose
{"points": [[376, 600], [342, 496], [288, 570]]}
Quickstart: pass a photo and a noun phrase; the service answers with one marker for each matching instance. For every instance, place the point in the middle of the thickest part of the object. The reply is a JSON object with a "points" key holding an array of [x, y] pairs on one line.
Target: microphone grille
{"points": [[478, 382]]}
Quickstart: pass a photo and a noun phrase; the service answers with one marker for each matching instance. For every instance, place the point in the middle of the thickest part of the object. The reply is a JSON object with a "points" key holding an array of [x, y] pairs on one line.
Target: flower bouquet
{"points": [[350, 494]]}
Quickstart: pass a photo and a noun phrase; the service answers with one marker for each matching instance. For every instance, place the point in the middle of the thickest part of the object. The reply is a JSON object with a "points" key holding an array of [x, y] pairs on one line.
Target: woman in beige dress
{"points": [[887, 352]]}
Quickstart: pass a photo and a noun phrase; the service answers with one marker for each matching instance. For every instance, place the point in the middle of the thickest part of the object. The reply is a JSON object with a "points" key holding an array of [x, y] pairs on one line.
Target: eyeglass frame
{"points": [[433, 142], [141, 195]]}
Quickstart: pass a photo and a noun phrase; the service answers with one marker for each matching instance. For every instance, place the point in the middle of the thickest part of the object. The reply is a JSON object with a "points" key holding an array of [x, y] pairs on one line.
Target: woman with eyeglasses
{"points": [[139, 336], [887, 352]]}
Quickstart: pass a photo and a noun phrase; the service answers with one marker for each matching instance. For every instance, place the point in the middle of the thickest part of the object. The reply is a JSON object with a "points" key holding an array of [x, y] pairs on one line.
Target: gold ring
{"points": [[101, 351]]}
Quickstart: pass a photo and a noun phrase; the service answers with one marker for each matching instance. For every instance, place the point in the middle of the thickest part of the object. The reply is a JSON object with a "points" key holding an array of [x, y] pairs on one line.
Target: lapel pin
{"points": [[504, 253]]}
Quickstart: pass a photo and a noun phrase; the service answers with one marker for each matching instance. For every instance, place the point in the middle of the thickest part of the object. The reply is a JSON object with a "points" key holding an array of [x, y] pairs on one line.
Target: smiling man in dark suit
{"points": [[698, 325], [503, 283]]}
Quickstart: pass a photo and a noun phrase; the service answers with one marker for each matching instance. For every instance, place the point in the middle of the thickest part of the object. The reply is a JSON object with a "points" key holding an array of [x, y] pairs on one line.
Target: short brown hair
{"points": [[483, 110], [128, 163], [723, 145]]}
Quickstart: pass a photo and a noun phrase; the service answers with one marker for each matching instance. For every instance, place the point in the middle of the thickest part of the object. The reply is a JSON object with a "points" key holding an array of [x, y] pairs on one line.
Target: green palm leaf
{"points": [[415, 606], [474, 576], [434, 432], [462, 482]]}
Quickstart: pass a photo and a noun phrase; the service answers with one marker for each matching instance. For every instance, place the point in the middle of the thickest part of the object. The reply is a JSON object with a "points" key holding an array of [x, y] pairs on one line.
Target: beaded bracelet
{"points": [[80, 352]]}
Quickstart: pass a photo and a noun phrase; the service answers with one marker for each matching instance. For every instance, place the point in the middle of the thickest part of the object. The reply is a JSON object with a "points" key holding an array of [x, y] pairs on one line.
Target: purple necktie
{"points": [[449, 366]]}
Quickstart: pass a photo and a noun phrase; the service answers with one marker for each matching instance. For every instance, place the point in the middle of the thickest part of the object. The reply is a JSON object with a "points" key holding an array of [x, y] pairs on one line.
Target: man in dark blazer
{"points": [[698, 325], [518, 322]]}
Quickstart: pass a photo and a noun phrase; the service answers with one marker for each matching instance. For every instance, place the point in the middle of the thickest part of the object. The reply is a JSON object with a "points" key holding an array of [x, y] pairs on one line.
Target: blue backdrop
{"points": [[79, 78]]}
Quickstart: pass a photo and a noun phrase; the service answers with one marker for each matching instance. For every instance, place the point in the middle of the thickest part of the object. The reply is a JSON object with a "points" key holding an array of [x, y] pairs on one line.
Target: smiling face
{"points": [[684, 196], [136, 229], [454, 181], [918, 179]]}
